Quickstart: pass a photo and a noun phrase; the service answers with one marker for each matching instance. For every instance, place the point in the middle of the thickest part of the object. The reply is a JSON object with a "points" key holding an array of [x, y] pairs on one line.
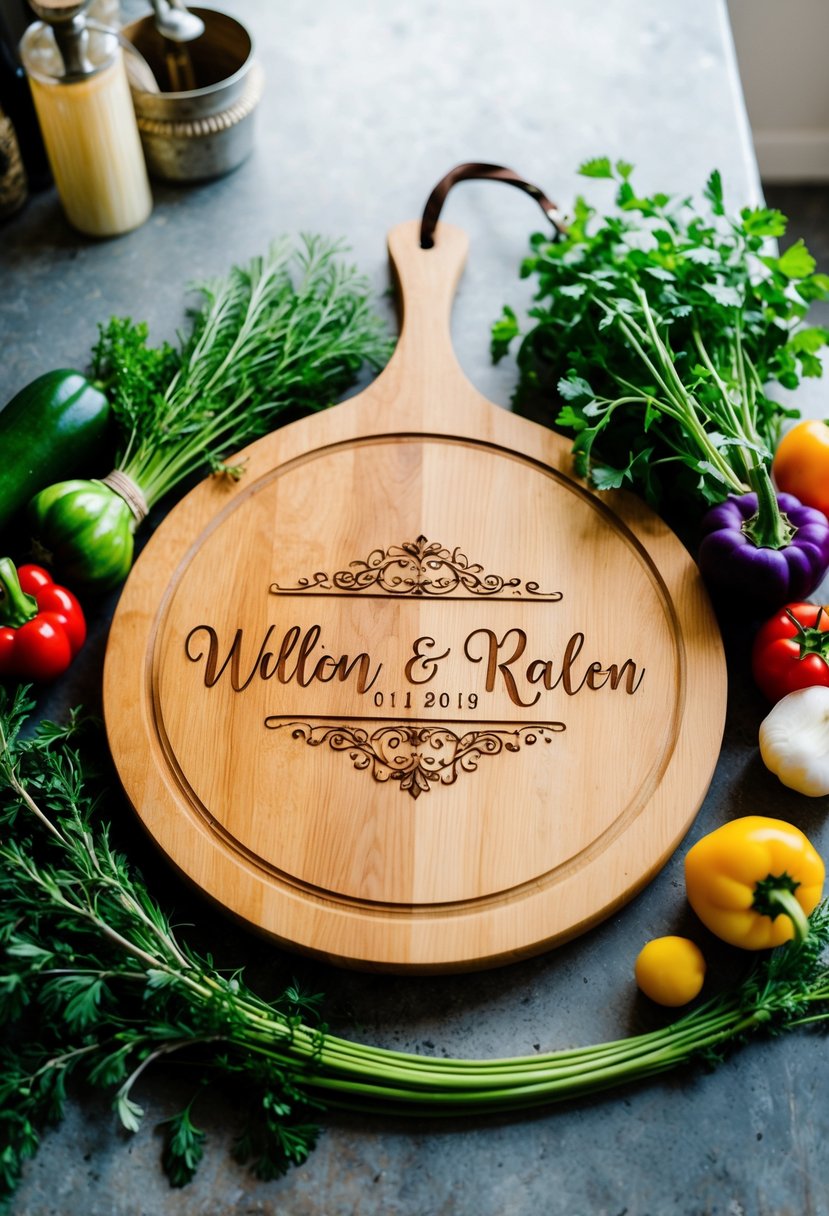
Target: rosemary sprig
{"points": [[95, 983], [290, 330]]}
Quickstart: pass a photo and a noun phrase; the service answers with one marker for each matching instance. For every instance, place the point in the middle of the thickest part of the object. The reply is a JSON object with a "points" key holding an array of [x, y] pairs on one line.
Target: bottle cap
{"points": [[67, 22]]}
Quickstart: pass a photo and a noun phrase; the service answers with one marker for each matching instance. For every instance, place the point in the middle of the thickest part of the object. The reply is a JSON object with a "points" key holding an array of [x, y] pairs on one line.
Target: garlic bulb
{"points": [[794, 741]]}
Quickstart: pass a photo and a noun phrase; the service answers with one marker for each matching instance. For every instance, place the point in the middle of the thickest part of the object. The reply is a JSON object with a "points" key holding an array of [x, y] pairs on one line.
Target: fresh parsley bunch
{"points": [[655, 334]]}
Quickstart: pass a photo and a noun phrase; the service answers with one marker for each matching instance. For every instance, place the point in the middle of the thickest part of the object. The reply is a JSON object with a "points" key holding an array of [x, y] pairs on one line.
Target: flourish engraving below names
{"points": [[420, 758]]}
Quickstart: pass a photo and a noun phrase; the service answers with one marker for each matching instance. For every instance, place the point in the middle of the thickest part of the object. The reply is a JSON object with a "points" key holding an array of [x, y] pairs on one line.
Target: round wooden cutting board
{"points": [[408, 696]]}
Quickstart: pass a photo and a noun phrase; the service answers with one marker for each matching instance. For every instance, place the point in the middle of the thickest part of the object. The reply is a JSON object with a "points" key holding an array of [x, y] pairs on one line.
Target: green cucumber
{"points": [[53, 429]]}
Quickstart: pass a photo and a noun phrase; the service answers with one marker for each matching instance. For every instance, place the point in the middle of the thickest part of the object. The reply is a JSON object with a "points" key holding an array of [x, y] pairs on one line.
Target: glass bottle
{"points": [[83, 102]]}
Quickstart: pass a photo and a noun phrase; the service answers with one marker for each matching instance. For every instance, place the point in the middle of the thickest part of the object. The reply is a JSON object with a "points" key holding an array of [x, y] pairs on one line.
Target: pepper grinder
{"points": [[84, 107]]}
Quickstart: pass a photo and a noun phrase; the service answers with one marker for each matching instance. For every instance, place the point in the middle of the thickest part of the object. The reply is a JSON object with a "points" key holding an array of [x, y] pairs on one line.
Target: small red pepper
{"points": [[42, 626]]}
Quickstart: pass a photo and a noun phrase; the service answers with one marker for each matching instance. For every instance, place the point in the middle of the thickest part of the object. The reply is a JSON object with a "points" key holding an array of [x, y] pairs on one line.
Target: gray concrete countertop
{"points": [[367, 104]]}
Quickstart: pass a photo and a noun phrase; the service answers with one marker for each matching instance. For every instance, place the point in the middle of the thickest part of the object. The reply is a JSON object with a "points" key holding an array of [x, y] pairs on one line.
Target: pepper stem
{"points": [[769, 528], [777, 900], [16, 607]]}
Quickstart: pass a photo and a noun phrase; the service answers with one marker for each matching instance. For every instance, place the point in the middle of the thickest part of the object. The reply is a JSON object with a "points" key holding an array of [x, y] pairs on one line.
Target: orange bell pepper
{"points": [[801, 463]]}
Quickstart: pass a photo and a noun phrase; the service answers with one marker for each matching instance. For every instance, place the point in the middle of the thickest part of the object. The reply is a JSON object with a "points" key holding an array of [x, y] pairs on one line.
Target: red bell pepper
{"points": [[791, 650], [42, 625]]}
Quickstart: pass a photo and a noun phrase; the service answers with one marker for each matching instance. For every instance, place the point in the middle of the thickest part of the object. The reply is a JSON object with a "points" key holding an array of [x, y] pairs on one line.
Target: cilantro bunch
{"points": [[656, 332]]}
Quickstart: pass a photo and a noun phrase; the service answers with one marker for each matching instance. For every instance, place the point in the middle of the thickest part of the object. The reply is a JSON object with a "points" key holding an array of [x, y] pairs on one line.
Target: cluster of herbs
{"points": [[656, 333], [95, 986], [275, 338], [287, 331]]}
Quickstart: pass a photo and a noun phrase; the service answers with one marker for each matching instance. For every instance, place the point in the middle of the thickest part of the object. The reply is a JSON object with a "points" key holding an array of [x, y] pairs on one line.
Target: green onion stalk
{"points": [[288, 332], [95, 983]]}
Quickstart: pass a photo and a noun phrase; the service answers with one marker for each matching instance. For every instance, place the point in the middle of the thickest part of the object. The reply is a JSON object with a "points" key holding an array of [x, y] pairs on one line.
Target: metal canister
{"points": [[204, 132]]}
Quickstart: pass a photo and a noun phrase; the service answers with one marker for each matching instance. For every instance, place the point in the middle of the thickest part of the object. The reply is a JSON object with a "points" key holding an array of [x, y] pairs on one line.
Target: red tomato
{"points": [[42, 650], [791, 649]]}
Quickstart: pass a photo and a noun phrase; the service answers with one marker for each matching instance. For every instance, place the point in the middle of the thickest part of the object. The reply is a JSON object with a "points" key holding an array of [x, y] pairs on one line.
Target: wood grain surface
{"points": [[409, 696]]}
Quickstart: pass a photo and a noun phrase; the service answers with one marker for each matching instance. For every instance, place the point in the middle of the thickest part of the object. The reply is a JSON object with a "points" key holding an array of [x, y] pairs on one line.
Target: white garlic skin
{"points": [[794, 741]]}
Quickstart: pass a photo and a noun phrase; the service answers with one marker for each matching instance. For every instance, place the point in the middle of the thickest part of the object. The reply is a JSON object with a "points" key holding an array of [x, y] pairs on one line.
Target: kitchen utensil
{"points": [[177, 27], [175, 22], [409, 696]]}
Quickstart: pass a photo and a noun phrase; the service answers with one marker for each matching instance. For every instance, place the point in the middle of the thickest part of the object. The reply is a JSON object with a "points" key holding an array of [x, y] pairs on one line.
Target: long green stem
{"points": [[146, 998], [682, 406], [484, 1092], [737, 427], [769, 528]]}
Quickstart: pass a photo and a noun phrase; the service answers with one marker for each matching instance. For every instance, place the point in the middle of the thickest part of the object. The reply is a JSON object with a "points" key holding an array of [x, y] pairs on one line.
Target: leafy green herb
{"points": [[290, 330], [287, 332], [94, 983], [658, 328], [183, 1148]]}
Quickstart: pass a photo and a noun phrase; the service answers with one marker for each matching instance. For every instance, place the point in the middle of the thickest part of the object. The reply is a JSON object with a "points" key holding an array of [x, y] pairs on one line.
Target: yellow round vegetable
{"points": [[670, 970], [754, 882]]}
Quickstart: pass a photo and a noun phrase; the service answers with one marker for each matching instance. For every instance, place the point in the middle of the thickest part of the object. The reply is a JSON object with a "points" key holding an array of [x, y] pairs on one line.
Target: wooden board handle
{"points": [[426, 282]]}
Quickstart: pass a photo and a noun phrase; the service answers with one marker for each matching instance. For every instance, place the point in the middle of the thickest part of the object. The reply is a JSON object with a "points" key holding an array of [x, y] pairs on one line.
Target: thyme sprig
{"points": [[96, 984], [287, 331]]}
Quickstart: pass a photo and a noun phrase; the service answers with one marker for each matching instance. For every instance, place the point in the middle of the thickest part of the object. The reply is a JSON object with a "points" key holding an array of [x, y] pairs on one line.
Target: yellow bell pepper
{"points": [[754, 881]]}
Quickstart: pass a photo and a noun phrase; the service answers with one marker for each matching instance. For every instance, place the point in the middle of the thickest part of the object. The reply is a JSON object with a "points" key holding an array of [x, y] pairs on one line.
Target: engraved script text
{"points": [[501, 655], [298, 658], [294, 661]]}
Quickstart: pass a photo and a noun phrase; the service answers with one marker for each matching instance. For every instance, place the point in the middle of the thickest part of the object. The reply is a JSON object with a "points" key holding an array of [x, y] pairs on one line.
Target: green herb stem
{"points": [[94, 962], [736, 425], [288, 330], [677, 403]]}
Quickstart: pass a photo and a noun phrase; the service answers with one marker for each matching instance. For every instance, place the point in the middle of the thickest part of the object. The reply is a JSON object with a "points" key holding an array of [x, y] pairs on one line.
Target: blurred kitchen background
{"points": [[782, 52]]}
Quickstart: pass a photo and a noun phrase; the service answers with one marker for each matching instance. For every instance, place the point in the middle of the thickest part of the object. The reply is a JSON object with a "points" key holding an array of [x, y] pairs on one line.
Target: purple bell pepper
{"points": [[732, 559]]}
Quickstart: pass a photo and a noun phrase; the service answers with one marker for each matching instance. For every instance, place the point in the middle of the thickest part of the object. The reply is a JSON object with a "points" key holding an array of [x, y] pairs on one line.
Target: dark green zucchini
{"points": [[54, 428]]}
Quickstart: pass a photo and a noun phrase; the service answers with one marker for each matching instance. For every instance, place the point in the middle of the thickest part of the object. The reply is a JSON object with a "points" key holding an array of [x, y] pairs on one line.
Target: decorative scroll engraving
{"points": [[419, 757], [419, 567]]}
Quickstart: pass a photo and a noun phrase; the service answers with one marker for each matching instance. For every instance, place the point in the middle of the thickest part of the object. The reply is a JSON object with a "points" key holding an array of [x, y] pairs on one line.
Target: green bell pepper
{"points": [[85, 530]]}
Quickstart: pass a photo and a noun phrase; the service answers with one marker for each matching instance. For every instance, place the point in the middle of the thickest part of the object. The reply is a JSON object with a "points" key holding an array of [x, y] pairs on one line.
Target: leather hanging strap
{"points": [[474, 170]]}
